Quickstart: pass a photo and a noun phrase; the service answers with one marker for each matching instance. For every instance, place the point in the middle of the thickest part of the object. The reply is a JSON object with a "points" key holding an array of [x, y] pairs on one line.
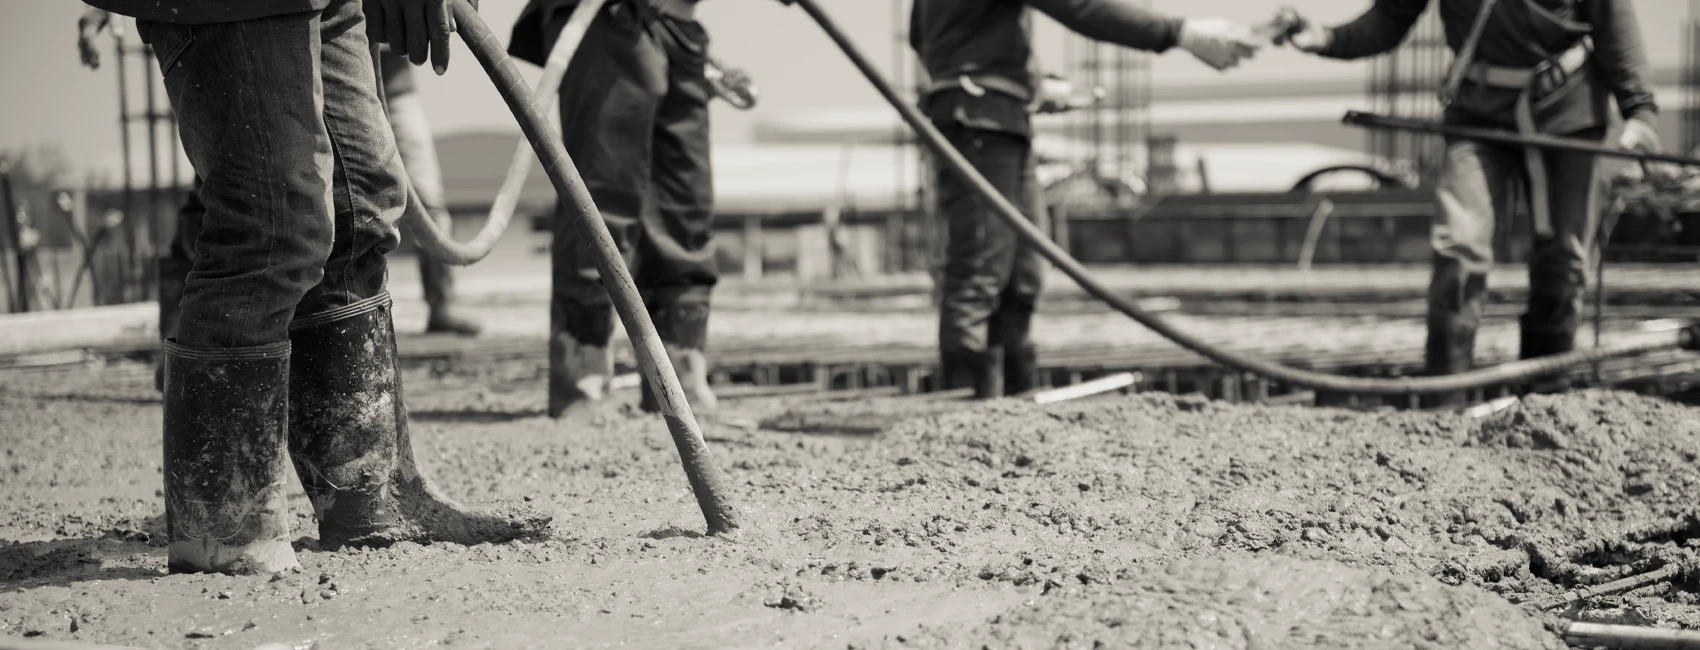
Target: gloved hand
{"points": [[88, 27], [1639, 135], [1219, 43], [417, 28], [1055, 95], [1310, 37]]}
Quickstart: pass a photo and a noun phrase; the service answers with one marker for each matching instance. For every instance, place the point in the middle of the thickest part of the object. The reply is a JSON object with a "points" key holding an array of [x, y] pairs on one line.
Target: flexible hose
{"points": [[441, 245], [708, 483], [566, 45], [1032, 236]]}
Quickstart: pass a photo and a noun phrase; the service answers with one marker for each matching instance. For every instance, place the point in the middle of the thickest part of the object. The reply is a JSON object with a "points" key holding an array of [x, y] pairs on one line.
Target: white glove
{"points": [[1311, 37], [1219, 43], [1639, 135]]}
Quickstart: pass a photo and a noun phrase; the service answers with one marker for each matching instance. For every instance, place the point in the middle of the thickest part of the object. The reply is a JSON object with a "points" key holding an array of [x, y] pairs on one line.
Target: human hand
{"points": [[88, 27], [417, 29], [1305, 35], [1220, 44], [1639, 135]]}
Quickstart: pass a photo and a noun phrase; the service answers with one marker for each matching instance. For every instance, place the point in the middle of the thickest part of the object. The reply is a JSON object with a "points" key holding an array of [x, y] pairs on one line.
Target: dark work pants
{"points": [[634, 117], [300, 176], [1477, 186], [991, 280]]}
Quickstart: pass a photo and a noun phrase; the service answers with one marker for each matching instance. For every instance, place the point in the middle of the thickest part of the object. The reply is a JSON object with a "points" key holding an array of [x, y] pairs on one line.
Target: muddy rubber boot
{"points": [[438, 282], [1011, 328], [578, 373], [691, 365], [979, 371], [1544, 340], [1020, 369], [348, 437], [172, 273], [226, 424], [1450, 350]]}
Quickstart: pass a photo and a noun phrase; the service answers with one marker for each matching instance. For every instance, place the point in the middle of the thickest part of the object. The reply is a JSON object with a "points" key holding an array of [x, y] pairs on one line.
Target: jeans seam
{"points": [[344, 188], [266, 150]]}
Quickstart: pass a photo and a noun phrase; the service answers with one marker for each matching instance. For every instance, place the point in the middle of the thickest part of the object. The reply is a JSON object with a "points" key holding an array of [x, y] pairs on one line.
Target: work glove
{"points": [[1056, 95], [417, 28], [1308, 36], [1219, 43], [88, 27], [1639, 135]]}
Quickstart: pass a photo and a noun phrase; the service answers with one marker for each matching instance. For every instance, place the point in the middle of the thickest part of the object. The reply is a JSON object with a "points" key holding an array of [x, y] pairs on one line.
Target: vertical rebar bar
{"points": [[151, 228], [21, 295], [127, 200]]}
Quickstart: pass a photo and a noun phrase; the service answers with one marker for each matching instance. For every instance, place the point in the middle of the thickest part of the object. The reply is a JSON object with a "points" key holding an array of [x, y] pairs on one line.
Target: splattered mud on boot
{"points": [[350, 444]]}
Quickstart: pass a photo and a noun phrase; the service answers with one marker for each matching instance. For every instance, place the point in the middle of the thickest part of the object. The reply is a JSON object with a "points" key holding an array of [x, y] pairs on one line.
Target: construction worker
{"points": [[285, 347], [634, 116], [1534, 66], [419, 156], [978, 56]]}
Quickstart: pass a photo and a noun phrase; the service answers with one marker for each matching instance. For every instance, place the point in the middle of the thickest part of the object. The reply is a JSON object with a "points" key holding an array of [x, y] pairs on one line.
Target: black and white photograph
{"points": [[850, 324]]}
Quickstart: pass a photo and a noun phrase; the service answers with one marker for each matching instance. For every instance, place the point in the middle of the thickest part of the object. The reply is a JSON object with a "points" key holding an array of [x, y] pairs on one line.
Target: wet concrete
{"points": [[1147, 521]]}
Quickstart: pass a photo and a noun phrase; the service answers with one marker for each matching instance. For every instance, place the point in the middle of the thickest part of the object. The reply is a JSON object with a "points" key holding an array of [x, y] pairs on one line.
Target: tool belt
{"points": [[979, 85], [1532, 85]]}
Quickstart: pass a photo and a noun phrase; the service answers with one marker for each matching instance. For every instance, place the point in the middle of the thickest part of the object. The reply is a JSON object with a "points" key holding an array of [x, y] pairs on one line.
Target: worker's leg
{"points": [[419, 156], [173, 269], [609, 97], [348, 431], [980, 255], [1558, 265], [1475, 187], [677, 271], [1011, 324], [248, 100]]}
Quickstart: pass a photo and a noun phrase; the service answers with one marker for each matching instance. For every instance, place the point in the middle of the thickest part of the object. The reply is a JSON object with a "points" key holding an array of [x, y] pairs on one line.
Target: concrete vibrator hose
{"points": [[1032, 236], [707, 481]]}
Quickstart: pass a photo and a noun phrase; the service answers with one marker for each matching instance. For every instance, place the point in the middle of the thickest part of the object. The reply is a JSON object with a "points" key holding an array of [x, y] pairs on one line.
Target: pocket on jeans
{"points": [[169, 41]]}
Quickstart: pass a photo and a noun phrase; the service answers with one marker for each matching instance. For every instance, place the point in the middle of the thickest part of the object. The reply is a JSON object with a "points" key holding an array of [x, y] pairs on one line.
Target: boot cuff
{"points": [[345, 312], [271, 351]]}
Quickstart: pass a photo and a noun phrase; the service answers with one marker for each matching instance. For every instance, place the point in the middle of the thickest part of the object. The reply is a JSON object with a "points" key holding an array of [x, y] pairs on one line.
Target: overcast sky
{"points": [[49, 97]]}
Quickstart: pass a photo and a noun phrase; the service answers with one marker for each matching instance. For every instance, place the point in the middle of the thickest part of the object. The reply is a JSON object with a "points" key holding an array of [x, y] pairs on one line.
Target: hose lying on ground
{"points": [[1032, 236], [707, 481]]}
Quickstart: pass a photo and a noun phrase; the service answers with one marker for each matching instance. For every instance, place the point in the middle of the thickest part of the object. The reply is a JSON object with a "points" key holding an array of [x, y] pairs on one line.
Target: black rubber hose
{"points": [[1032, 236]]}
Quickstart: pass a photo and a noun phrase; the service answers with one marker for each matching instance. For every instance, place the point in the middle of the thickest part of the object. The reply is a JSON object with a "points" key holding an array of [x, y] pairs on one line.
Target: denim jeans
{"points": [[301, 180], [634, 118], [991, 280], [1477, 186]]}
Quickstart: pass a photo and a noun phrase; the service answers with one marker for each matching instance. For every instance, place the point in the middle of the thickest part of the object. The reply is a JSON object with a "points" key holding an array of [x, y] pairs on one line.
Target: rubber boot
{"points": [[979, 371], [691, 365], [1020, 369], [578, 373], [172, 273], [439, 288], [226, 422], [683, 328], [1010, 328], [1543, 340], [349, 440], [1450, 350]]}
